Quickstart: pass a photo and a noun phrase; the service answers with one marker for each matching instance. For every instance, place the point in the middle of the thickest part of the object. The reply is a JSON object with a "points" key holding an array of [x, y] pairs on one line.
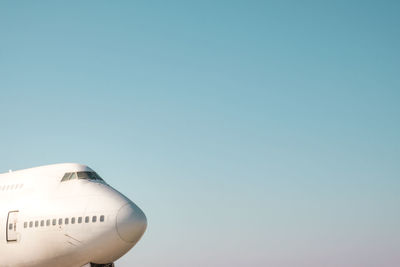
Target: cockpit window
{"points": [[89, 176], [66, 176], [81, 175]]}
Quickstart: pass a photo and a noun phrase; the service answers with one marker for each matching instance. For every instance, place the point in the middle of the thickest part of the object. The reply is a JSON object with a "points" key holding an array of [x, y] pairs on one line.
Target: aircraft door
{"points": [[12, 226]]}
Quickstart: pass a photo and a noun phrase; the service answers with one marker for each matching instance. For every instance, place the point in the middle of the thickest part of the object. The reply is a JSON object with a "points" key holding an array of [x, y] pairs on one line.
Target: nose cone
{"points": [[131, 223]]}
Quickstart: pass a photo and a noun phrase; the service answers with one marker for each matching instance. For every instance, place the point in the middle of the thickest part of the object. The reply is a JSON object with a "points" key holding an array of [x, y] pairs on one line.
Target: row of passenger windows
{"points": [[11, 187], [61, 221], [81, 175]]}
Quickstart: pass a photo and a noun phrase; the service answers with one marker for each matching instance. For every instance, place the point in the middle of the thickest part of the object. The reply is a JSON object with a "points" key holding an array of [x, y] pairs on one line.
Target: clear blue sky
{"points": [[252, 133]]}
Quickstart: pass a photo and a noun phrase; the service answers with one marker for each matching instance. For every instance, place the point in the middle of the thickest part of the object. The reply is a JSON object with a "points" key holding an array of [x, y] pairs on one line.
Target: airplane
{"points": [[65, 215]]}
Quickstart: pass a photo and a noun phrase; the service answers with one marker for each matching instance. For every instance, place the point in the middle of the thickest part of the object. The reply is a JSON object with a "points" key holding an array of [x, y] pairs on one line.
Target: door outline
{"points": [[13, 215]]}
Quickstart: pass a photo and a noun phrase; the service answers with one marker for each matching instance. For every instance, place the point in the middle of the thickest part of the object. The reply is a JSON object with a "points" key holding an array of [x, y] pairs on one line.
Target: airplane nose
{"points": [[131, 223]]}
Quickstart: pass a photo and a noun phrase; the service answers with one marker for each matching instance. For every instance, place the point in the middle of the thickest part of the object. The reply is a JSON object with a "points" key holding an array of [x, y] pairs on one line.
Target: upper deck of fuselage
{"points": [[54, 171], [48, 180]]}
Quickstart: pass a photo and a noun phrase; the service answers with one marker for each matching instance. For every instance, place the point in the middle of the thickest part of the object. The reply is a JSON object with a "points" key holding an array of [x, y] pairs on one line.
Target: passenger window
{"points": [[54, 221], [25, 224], [80, 220], [48, 222], [60, 221], [66, 220], [86, 219], [30, 224], [41, 223], [102, 218], [94, 219], [73, 220], [36, 223]]}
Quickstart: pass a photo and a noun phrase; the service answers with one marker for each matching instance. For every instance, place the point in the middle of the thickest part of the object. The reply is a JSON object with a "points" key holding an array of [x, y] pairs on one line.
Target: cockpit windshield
{"points": [[81, 175]]}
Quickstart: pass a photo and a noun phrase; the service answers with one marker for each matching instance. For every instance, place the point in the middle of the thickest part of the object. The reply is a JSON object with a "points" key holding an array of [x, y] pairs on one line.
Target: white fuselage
{"points": [[48, 222]]}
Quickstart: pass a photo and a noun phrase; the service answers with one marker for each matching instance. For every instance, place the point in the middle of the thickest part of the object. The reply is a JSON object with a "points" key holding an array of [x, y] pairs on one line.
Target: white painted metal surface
{"points": [[46, 222]]}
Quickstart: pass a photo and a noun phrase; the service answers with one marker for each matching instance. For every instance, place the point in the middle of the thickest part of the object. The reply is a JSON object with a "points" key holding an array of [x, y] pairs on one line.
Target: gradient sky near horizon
{"points": [[252, 133]]}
